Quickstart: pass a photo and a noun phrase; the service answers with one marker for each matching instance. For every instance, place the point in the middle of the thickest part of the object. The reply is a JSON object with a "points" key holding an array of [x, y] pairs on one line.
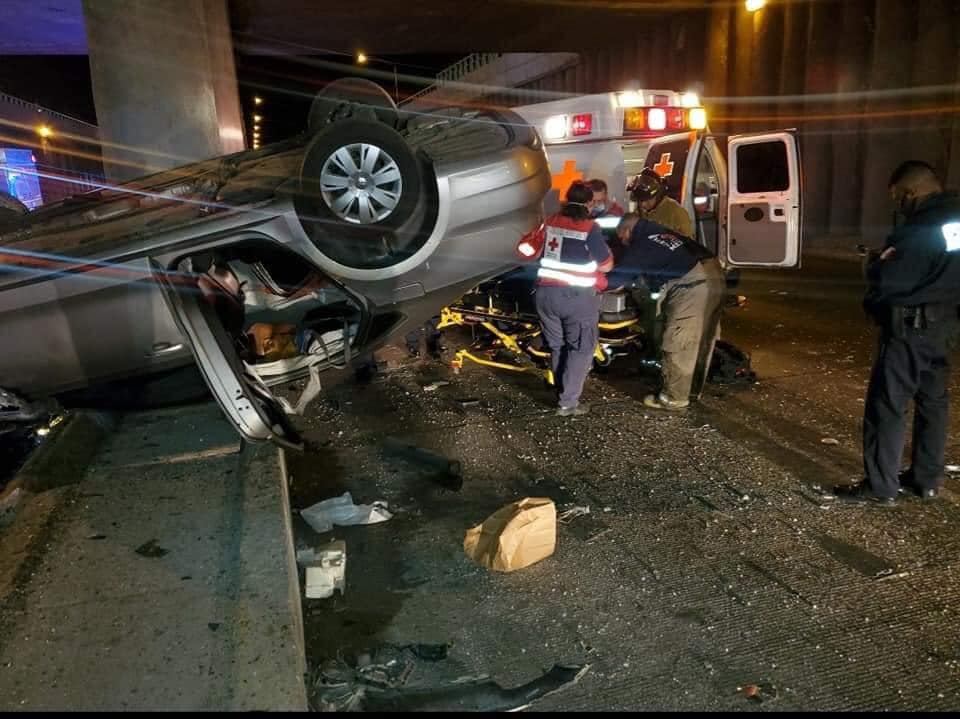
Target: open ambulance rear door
{"points": [[747, 212]]}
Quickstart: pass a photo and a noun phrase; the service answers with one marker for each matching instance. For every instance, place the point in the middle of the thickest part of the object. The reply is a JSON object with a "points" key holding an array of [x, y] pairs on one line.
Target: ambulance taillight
{"points": [[698, 118]]}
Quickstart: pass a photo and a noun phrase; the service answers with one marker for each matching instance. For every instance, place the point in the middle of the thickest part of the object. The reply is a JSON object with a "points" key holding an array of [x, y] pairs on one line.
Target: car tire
{"points": [[351, 97], [364, 197]]}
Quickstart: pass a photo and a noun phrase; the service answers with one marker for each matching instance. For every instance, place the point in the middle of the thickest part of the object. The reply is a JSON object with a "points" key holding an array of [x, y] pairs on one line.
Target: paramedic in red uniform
{"points": [[600, 205], [573, 262]]}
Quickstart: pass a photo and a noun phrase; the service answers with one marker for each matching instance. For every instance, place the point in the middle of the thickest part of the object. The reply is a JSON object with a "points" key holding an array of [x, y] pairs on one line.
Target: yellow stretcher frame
{"points": [[455, 318]]}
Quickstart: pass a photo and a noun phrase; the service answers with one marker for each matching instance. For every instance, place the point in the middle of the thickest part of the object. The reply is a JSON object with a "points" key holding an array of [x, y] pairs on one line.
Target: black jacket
{"points": [[657, 254], [922, 271]]}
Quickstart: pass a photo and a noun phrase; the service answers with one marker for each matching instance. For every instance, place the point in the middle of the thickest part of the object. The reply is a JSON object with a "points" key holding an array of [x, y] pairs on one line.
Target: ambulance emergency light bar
{"points": [[639, 117], [559, 127]]}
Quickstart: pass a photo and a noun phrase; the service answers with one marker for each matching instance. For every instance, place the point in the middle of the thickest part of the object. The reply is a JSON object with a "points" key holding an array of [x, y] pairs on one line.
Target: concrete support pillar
{"points": [[580, 78], [853, 69], [767, 44], [605, 69], [164, 83], [717, 74], [937, 43], [792, 58], [743, 53], [632, 61], [676, 71], [646, 62], [953, 162], [820, 78], [694, 54], [893, 43]]}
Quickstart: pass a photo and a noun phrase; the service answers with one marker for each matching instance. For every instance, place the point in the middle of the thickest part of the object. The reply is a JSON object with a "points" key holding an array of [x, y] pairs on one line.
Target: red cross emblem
{"points": [[553, 244], [664, 168]]}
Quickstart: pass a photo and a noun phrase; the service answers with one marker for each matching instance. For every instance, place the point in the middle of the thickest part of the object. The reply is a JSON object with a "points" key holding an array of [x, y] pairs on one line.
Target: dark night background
{"points": [[287, 84]]}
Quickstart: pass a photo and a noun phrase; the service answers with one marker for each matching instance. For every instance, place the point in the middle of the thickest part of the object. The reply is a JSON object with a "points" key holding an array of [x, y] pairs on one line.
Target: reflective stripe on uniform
{"points": [[567, 277], [590, 266]]}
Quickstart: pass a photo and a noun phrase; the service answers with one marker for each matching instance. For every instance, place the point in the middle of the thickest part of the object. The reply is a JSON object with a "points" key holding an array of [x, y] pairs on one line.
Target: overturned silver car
{"points": [[270, 265]]}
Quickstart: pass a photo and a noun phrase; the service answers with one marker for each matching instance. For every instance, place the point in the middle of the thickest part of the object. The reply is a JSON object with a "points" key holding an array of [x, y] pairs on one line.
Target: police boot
{"points": [[859, 494], [909, 487]]}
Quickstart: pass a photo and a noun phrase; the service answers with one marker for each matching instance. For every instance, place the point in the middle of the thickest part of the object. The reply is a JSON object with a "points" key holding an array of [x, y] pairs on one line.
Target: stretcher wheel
{"points": [[602, 365]]}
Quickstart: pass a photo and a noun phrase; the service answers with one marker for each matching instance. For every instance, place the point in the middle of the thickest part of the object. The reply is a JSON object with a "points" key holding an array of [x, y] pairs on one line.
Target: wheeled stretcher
{"points": [[502, 316]]}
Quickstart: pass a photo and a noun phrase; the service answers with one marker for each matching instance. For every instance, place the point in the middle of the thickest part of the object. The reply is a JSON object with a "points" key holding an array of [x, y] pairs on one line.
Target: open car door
{"points": [[763, 200], [251, 408]]}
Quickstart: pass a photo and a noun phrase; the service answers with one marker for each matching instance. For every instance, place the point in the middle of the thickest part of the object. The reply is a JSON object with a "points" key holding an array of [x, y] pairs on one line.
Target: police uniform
{"points": [[568, 303], [913, 296], [692, 285]]}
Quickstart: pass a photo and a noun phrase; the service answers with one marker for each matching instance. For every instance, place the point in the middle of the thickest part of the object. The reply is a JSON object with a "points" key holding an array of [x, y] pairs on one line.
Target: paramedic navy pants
{"points": [[569, 317], [915, 367]]}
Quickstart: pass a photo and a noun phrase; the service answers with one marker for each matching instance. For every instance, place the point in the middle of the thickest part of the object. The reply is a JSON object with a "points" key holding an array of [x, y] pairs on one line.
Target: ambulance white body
{"points": [[748, 215]]}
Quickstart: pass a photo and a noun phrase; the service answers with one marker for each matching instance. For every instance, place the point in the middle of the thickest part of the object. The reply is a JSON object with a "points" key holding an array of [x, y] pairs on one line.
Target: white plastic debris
{"points": [[569, 514], [342, 512], [433, 386], [326, 569], [952, 468], [310, 393], [829, 440]]}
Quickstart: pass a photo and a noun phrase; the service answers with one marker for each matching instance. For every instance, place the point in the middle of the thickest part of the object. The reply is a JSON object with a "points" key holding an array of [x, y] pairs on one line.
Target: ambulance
{"points": [[743, 192]]}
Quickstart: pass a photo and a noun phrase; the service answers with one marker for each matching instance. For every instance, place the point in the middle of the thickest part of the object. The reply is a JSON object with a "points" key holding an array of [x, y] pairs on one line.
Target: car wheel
{"points": [[351, 97], [363, 198]]}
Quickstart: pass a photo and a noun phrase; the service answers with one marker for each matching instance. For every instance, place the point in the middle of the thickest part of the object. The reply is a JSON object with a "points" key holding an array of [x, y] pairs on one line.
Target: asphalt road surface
{"points": [[706, 575]]}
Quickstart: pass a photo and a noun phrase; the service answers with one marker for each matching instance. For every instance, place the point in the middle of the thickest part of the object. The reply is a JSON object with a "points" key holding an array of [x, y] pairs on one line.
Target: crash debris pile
{"points": [[389, 679]]}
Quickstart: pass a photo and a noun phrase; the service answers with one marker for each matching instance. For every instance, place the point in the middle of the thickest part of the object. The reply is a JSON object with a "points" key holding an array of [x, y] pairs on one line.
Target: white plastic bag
{"points": [[342, 512]]}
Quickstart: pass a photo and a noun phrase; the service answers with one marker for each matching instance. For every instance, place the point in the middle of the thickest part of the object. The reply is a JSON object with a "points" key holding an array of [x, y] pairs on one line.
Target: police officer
{"points": [[649, 191], [572, 262], [691, 283], [913, 292]]}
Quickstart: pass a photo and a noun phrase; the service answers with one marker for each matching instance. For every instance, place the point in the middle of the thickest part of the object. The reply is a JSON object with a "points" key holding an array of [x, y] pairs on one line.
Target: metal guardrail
{"points": [[467, 65], [11, 100], [452, 73]]}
